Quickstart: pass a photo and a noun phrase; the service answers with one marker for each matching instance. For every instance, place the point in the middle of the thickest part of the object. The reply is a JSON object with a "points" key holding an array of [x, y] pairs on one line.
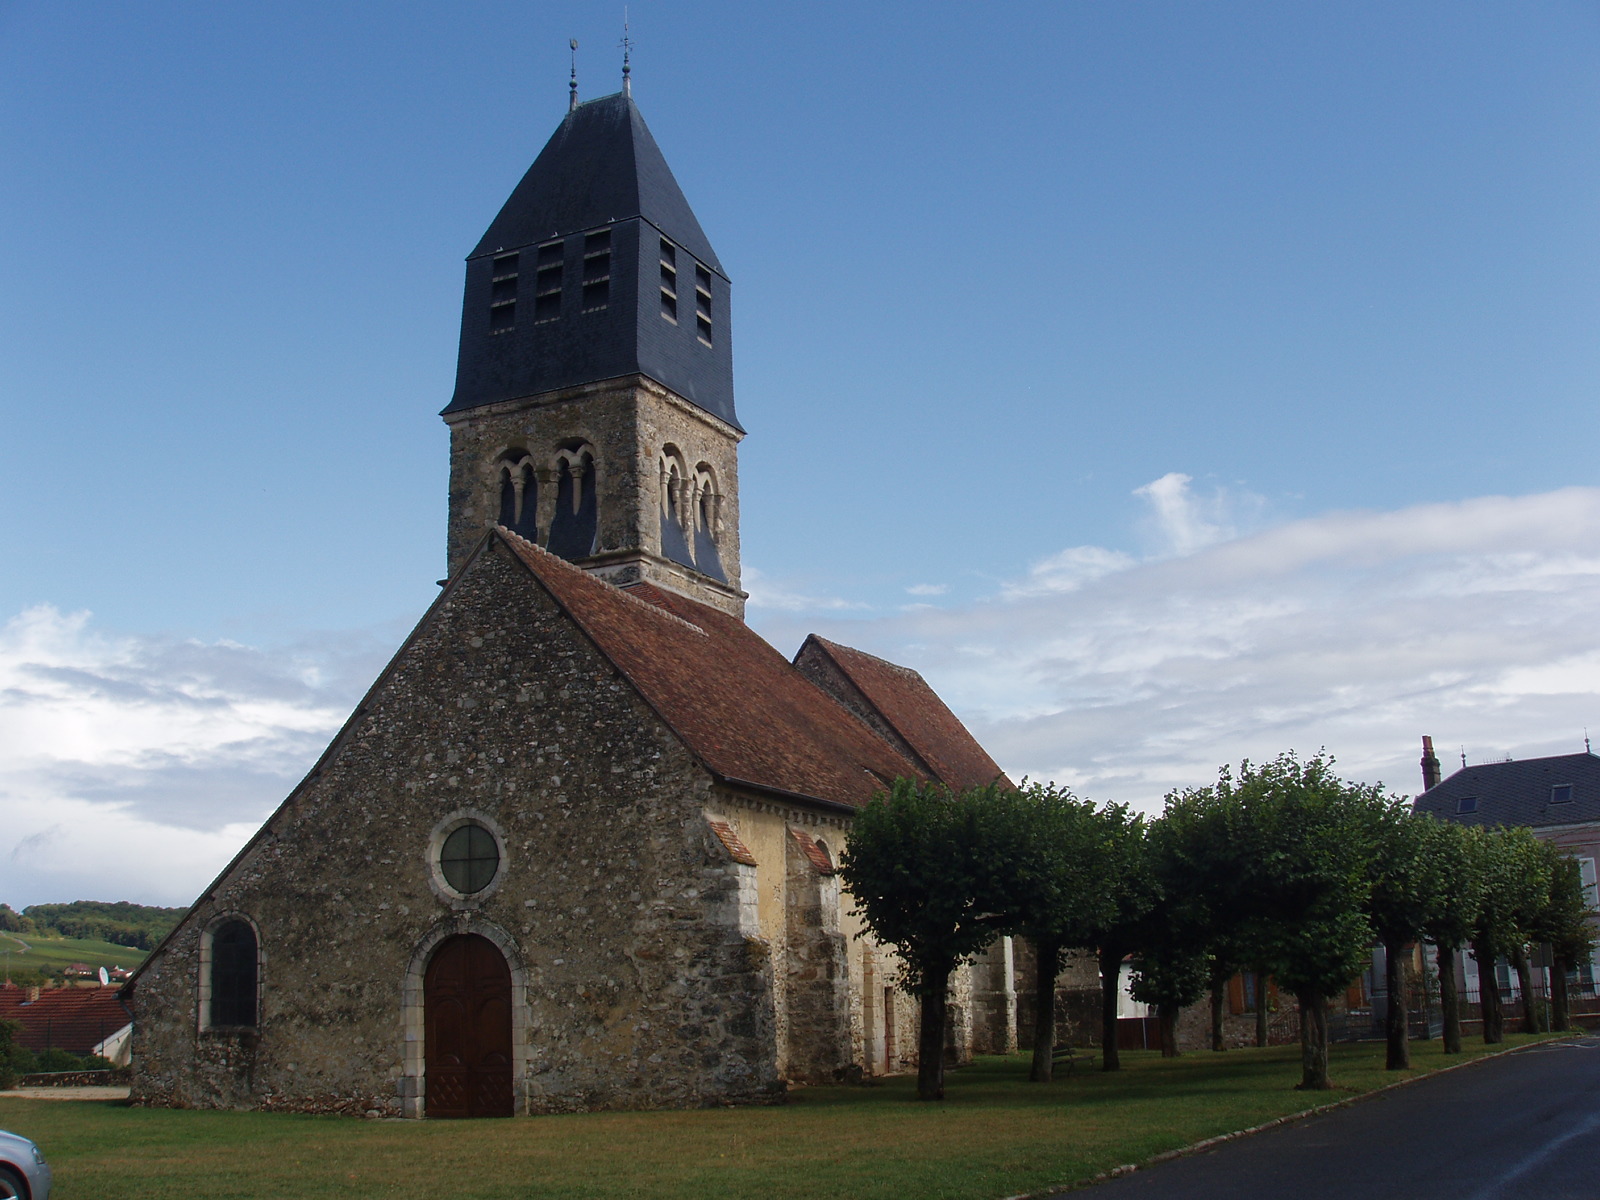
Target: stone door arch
{"points": [[467, 1029]]}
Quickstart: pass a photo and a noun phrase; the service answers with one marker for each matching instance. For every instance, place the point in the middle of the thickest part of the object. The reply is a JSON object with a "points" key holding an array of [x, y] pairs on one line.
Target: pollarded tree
{"points": [[1564, 923], [1408, 890], [1514, 874], [1204, 853], [1134, 894], [1538, 864], [1450, 847], [923, 865], [1060, 885], [1314, 847], [1171, 972]]}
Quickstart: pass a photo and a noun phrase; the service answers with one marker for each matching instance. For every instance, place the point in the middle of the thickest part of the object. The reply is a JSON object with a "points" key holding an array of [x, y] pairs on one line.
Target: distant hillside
{"points": [[30, 958], [138, 926]]}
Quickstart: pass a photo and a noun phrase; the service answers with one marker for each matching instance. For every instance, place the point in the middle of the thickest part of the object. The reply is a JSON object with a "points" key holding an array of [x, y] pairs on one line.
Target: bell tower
{"points": [[593, 411]]}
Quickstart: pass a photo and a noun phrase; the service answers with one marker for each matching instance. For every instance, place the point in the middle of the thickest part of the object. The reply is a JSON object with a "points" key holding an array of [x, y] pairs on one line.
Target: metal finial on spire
{"points": [[1587, 749], [627, 51], [572, 88], [1463, 758]]}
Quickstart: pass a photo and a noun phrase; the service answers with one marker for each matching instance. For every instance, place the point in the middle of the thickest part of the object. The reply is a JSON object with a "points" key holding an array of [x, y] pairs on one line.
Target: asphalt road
{"points": [[1526, 1124]]}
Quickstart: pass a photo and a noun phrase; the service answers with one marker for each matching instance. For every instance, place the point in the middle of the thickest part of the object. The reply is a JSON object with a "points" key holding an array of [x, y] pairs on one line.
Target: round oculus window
{"points": [[469, 859]]}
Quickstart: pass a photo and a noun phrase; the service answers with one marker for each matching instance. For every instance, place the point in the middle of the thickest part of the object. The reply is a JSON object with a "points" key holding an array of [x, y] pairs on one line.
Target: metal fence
{"points": [[1426, 1016]]}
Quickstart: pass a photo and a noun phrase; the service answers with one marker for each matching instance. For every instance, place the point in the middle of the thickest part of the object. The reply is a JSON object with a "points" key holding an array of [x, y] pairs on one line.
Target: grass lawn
{"points": [[996, 1135], [53, 953]]}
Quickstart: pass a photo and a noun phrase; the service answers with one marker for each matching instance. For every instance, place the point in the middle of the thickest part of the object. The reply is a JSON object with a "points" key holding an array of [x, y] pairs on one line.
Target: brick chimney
{"points": [[1430, 765]]}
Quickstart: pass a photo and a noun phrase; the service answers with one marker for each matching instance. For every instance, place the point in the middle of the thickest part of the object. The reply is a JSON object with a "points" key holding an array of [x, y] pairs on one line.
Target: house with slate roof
{"points": [[1558, 798], [575, 848]]}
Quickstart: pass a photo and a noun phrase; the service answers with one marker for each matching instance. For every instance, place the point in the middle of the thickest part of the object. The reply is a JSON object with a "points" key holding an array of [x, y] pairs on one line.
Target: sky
{"points": [[1169, 383]]}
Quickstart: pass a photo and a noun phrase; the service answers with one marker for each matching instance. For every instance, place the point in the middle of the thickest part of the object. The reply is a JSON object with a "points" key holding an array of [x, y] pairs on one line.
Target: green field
{"points": [[997, 1135], [51, 954]]}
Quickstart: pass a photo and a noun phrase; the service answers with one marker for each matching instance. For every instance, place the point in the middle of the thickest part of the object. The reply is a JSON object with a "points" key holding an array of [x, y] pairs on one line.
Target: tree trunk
{"points": [[1263, 1014], [1167, 1019], [1531, 1008], [1110, 979], [1560, 1004], [930, 1038], [1449, 999], [1396, 1027], [1044, 1009], [1494, 1020], [1219, 988], [1313, 1043]]}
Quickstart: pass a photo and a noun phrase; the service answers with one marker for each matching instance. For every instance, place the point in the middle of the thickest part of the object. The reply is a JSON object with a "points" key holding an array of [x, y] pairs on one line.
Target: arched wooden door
{"points": [[467, 1013]]}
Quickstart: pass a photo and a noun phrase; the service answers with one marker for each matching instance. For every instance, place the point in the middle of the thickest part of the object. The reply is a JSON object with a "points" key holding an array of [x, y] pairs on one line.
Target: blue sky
{"points": [[1168, 382]]}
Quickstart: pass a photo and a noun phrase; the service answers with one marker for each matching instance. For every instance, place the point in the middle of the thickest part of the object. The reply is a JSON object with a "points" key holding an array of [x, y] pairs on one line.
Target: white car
{"points": [[24, 1174]]}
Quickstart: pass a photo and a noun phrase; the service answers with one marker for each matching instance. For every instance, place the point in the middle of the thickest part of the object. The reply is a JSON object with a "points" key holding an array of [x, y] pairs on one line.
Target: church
{"points": [[575, 848]]}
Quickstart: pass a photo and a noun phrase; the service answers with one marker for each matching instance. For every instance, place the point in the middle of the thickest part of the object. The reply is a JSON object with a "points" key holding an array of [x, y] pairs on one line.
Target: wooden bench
{"points": [[1070, 1057]]}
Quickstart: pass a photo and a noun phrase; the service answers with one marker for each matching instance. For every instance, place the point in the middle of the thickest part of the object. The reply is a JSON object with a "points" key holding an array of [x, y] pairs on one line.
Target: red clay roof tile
{"points": [[818, 857], [72, 1019], [738, 705], [737, 850], [913, 709]]}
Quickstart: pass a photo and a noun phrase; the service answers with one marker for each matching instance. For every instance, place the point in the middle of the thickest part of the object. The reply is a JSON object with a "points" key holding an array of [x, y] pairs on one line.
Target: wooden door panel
{"points": [[467, 1024]]}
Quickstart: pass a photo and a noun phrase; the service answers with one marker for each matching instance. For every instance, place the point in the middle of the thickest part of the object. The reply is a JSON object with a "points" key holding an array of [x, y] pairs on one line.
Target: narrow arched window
{"points": [[707, 523], [676, 507], [575, 528], [234, 974], [519, 494]]}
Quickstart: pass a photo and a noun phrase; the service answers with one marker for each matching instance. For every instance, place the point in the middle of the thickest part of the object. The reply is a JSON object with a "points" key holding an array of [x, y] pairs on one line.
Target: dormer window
{"points": [[597, 270], [503, 294], [702, 303], [669, 281], [1561, 793], [1467, 804], [548, 282]]}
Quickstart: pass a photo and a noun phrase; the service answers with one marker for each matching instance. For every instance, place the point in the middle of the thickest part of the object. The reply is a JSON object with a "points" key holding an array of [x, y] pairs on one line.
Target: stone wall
{"points": [[635, 982]]}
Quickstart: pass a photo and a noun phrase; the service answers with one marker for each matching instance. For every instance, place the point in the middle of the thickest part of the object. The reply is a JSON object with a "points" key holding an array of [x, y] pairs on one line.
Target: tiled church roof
{"points": [[72, 1019], [741, 708], [906, 703]]}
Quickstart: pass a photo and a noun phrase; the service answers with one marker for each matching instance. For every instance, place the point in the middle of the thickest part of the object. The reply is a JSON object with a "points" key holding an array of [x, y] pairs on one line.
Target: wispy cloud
{"points": [[770, 593], [927, 589], [1360, 631], [139, 763], [134, 767]]}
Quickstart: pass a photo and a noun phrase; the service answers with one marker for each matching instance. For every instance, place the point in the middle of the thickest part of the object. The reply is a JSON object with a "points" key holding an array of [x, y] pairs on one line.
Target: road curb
{"points": [[1287, 1119]]}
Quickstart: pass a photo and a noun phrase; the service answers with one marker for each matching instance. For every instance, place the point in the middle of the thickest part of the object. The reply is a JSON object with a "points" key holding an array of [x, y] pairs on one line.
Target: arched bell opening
{"points": [[575, 528], [519, 493], [677, 512]]}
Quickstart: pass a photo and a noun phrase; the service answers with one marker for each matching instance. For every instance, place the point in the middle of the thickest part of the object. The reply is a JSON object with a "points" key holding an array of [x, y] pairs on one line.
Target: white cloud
{"points": [[928, 589], [1184, 522], [769, 593], [1361, 631], [135, 767]]}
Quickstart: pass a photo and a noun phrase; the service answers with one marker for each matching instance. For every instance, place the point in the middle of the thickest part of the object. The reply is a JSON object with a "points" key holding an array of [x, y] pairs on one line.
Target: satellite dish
{"points": [[104, 977]]}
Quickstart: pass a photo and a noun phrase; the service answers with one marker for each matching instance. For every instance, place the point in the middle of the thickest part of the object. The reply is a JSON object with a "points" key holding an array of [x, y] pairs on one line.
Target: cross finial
{"points": [[627, 51], [572, 88]]}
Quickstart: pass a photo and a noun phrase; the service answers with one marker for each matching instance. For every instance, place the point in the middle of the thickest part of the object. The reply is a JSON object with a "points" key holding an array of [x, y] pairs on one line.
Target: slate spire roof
{"points": [[600, 166], [599, 203]]}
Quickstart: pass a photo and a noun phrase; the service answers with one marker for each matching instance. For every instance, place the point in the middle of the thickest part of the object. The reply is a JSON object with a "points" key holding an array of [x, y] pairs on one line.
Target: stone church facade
{"points": [[575, 848]]}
